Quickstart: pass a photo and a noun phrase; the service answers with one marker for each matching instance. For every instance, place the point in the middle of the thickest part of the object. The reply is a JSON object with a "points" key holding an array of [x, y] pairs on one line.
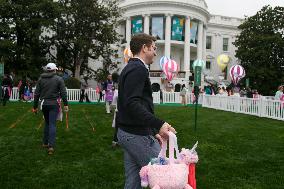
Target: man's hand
{"points": [[159, 138], [66, 109], [164, 131], [34, 110]]}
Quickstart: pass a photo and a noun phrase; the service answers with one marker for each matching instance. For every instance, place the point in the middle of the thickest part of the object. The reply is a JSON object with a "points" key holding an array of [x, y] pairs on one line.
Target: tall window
{"points": [[208, 65], [178, 28], [225, 44], [136, 25], [208, 42], [157, 27], [193, 32], [191, 63]]}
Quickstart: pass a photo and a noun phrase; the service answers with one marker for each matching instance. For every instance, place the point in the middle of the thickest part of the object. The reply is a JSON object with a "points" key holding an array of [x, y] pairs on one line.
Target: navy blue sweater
{"points": [[135, 102]]}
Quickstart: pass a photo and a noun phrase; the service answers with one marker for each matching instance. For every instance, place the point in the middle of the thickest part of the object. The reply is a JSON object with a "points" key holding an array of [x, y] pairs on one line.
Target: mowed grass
{"points": [[236, 151]]}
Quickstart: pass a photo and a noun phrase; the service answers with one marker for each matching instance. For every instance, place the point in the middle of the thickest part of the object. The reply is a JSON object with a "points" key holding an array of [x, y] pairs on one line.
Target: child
{"points": [[114, 107], [183, 95]]}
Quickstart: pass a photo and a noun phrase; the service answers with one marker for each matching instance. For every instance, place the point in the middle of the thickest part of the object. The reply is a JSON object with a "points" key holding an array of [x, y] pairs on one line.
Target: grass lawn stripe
{"points": [[88, 119], [20, 119], [40, 124]]}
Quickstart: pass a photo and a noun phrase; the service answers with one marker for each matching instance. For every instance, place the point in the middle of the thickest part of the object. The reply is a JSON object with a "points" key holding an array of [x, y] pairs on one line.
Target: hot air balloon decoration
{"points": [[170, 68], [127, 54], [223, 61], [237, 72], [198, 65], [163, 60]]}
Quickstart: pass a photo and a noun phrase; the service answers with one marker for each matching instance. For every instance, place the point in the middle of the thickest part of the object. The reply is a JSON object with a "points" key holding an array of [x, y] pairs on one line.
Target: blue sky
{"points": [[239, 8]]}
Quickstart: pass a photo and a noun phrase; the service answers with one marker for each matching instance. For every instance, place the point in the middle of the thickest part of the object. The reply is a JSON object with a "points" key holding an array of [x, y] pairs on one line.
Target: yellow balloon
{"points": [[127, 54], [222, 61], [222, 66]]}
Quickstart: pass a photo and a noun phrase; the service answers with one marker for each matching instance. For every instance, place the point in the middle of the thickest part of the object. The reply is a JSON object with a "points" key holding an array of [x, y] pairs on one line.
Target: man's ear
{"points": [[144, 48]]}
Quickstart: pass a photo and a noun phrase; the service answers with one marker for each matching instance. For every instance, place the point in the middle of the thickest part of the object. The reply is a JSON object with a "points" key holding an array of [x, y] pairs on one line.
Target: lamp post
{"points": [[198, 65]]}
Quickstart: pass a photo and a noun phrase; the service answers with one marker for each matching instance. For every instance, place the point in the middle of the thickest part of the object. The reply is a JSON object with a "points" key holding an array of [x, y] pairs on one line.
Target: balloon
{"points": [[200, 63], [127, 54], [163, 60], [170, 68], [222, 61], [237, 72]]}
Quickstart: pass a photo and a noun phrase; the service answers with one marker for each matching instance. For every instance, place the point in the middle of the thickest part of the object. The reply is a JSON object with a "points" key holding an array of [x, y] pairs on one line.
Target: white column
{"points": [[186, 64], [146, 23], [168, 35], [204, 44], [128, 30], [200, 37]]}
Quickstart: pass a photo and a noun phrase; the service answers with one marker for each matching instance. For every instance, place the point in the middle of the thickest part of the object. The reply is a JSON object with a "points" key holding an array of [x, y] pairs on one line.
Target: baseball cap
{"points": [[51, 66]]}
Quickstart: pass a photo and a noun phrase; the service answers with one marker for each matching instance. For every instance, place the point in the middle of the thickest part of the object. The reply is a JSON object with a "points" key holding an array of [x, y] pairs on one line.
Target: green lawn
{"points": [[236, 151]]}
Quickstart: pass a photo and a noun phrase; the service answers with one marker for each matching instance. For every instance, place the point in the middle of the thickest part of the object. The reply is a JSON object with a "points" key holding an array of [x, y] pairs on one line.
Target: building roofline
{"points": [[199, 8]]}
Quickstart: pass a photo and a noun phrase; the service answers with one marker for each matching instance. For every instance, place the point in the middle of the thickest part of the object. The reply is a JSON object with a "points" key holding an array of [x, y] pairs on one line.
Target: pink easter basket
{"points": [[172, 175]]}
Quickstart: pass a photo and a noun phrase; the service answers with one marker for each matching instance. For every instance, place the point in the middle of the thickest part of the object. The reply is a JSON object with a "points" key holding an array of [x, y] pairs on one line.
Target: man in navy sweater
{"points": [[139, 131]]}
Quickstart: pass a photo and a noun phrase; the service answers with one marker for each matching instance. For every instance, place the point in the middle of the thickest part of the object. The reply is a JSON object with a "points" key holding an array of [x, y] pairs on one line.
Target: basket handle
{"points": [[173, 147]]}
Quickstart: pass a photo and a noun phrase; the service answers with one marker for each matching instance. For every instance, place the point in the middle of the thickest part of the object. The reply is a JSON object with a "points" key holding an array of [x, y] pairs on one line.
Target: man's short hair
{"points": [[137, 42]]}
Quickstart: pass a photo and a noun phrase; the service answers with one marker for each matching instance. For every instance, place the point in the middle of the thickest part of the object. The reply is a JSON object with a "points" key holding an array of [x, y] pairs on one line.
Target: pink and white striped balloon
{"points": [[170, 68], [237, 72], [163, 60]]}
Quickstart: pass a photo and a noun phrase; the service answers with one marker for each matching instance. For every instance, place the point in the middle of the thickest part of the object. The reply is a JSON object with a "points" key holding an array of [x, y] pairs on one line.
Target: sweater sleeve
{"points": [[63, 92], [135, 81]]}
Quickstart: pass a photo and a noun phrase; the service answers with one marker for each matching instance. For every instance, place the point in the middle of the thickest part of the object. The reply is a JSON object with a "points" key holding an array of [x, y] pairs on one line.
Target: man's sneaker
{"points": [[50, 151], [114, 144]]}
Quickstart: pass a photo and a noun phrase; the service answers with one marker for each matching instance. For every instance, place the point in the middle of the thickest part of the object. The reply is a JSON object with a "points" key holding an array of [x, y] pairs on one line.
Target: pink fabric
{"points": [[191, 176], [97, 90], [9, 91], [174, 175], [19, 84]]}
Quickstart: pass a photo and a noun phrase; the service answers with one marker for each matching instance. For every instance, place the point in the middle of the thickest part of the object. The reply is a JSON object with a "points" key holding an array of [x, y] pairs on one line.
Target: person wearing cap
{"points": [[50, 87]]}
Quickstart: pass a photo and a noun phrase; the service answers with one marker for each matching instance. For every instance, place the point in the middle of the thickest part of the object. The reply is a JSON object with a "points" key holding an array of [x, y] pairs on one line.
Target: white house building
{"points": [[185, 30]]}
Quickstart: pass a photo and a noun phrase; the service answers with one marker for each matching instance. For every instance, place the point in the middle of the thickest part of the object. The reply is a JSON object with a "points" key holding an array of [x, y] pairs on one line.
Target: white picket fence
{"points": [[262, 107], [74, 96]]}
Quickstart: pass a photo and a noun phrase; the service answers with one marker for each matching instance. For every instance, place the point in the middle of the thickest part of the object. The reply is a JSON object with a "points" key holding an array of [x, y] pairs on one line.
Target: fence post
{"points": [[238, 104], [261, 108]]}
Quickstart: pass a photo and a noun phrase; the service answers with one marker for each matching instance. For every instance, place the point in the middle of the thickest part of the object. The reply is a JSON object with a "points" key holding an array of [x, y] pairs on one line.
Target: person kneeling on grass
{"points": [[49, 88]]}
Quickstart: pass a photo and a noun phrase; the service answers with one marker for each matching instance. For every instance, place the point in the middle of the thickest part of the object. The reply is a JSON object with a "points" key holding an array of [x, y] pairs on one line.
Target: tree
{"points": [[23, 48], [261, 49], [86, 31]]}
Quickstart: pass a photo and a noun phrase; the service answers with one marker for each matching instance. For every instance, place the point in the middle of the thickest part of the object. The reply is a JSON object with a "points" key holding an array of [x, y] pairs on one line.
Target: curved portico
{"points": [[182, 28], [183, 47]]}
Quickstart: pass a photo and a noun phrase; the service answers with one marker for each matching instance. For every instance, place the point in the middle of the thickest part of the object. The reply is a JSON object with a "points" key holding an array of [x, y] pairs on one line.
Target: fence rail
{"points": [[262, 107]]}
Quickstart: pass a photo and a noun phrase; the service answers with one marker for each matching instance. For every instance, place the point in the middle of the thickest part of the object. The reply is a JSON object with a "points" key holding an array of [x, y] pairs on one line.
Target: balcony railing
{"points": [[159, 73]]}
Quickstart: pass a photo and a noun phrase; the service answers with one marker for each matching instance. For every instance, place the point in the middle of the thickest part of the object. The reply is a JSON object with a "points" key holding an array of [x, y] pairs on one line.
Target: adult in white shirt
{"points": [[279, 93]]}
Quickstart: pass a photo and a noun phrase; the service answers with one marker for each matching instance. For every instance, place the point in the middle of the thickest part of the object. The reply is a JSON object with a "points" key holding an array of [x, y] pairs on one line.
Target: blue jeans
{"points": [[138, 151], [50, 115]]}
